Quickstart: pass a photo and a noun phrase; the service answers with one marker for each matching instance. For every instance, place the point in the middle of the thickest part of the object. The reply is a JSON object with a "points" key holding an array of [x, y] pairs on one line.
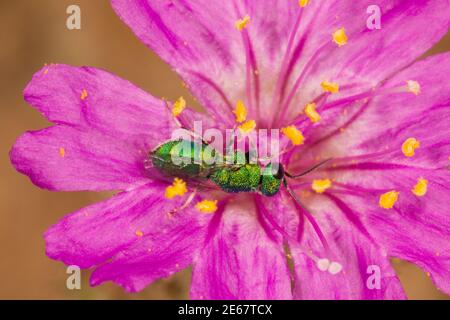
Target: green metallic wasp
{"points": [[234, 177]]}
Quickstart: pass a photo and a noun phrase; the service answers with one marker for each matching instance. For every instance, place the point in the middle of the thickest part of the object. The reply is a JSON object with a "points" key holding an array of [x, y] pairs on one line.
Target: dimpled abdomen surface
{"points": [[243, 179]]}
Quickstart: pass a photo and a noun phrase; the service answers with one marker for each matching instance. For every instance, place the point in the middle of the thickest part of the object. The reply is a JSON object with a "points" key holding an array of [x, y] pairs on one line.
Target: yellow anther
{"points": [[295, 135], [241, 24], [207, 206], [139, 233], [339, 37], [178, 106], [62, 152], [413, 87], [240, 112], [247, 126], [178, 188], [84, 94], [409, 146], [388, 199], [310, 110], [331, 87], [420, 189], [303, 3], [320, 185]]}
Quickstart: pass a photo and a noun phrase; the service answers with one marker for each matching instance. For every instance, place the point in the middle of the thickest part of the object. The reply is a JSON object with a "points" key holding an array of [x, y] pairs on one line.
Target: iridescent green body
{"points": [[239, 176]]}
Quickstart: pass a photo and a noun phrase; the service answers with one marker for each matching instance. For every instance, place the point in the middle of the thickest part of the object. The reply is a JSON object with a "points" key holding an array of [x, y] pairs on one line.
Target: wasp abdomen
{"points": [[181, 158], [242, 179]]}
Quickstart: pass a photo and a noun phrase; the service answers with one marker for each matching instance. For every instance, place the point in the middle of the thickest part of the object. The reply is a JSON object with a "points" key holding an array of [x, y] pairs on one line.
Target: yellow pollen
{"points": [[320, 185], [388, 199], [207, 206], [310, 110], [178, 188], [295, 135], [413, 87], [62, 152], [409, 146], [303, 3], [241, 24], [331, 87], [139, 233], [240, 112], [84, 94], [178, 106], [247, 126], [420, 189], [339, 37]]}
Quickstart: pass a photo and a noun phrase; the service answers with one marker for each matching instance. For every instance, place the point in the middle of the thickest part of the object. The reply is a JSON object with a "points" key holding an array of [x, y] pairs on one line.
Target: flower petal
{"points": [[239, 260], [366, 272], [69, 158], [166, 245], [370, 56], [200, 41], [105, 128], [416, 228], [92, 98], [99, 232]]}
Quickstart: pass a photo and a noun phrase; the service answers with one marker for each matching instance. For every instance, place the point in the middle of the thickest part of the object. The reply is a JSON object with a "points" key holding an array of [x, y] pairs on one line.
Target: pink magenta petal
{"points": [[136, 220], [239, 260], [105, 128], [356, 268]]}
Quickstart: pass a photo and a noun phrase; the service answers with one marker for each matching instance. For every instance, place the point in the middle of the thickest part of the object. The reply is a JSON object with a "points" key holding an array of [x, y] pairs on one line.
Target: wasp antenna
{"points": [[295, 176], [308, 215]]}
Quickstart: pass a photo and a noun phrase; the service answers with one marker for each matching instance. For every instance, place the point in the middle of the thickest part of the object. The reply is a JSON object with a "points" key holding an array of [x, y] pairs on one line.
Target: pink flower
{"points": [[356, 95]]}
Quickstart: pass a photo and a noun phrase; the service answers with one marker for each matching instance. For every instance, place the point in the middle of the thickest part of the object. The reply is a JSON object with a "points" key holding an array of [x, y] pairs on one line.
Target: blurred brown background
{"points": [[33, 32]]}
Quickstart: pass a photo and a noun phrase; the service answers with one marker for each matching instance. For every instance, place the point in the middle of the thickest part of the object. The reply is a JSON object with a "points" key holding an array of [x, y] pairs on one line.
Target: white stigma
{"points": [[323, 264], [335, 268], [332, 267]]}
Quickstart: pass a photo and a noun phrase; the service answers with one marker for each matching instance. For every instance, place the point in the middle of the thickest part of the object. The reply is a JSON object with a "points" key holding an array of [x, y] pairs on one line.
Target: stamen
{"points": [[388, 199], [413, 87], [339, 37], [178, 188], [320, 185], [295, 135], [62, 152], [310, 110], [420, 189], [247, 126], [331, 87], [178, 106], [139, 233], [303, 3], [241, 24], [409, 146], [207, 206], [84, 94], [240, 112]]}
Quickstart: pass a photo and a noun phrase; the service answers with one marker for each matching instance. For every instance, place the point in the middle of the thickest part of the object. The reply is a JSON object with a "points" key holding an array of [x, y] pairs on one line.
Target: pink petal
{"points": [[70, 158], [239, 260], [358, 255], [105, 128], [200, 41], [99, 232]]}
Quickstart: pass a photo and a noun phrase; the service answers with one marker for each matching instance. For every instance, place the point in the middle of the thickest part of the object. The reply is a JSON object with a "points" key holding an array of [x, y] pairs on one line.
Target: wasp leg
{"points": [[308, 170], [184, 205], [184, 127]]}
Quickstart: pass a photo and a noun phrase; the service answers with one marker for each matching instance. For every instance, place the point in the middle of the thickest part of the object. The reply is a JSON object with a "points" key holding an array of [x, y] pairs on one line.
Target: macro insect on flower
{"points": [[356, 106]]}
